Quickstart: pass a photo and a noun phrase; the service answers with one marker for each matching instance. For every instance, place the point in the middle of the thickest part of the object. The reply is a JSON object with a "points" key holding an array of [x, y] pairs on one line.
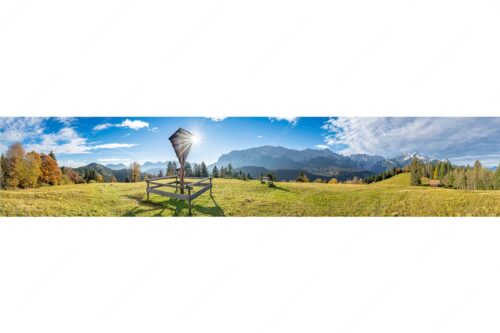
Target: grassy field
{"points": [[392, 197]]}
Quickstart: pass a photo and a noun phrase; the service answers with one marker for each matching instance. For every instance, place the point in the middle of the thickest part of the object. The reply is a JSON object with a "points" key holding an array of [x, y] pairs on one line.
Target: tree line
{"points": [[21, 169], [476, 177], [28, 170]]}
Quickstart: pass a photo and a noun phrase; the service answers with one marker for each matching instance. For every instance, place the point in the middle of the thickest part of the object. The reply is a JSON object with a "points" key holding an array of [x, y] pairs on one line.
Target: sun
{"points": [[195, 138]]}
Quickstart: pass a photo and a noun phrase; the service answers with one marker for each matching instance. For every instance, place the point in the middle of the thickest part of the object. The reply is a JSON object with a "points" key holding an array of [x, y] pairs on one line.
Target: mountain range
{"points": [[319, 163], [285, 163]]}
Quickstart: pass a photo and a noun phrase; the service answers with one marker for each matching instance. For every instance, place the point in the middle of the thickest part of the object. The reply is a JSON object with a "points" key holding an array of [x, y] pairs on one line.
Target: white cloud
{"points": [[259, 136], [18, 128], [154, 129], [72, 163], [217, 118], [114, 145], [439, 137], [66, 141], [134, 124], [102, 126], [292, 120], [322, 146], [66, 120]]}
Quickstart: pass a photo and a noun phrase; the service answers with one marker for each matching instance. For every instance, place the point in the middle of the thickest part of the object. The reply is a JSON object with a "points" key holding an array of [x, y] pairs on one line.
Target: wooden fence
{"points": [[205, 184]]}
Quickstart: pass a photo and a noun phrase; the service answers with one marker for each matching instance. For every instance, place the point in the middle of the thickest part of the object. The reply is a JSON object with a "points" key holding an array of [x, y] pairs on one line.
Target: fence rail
{"points": [[204, 182]]}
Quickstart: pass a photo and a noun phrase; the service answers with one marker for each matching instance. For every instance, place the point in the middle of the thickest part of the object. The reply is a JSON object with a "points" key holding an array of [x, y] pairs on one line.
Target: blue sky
{"points": [[78, 141]]}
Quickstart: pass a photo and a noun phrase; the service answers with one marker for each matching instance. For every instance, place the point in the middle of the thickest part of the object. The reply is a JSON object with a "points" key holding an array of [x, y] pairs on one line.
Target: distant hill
{"points": [[106, 172], [116, 166]]}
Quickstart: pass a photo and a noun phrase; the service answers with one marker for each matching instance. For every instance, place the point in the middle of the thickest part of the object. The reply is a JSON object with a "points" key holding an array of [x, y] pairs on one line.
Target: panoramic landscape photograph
{"points": [[250, 166]]}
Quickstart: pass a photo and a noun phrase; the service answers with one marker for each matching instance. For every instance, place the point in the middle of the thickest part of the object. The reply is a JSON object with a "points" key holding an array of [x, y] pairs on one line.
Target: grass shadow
{"points": [[177, 207], [279, 188]]}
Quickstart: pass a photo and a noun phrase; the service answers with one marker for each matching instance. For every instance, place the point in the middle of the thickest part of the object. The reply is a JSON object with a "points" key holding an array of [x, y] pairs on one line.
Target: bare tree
{"points": [[135, 172]]}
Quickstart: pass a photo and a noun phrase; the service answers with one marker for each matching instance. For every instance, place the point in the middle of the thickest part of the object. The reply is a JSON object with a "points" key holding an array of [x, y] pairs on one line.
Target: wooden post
{"points": [[181, 175], [211, 186], [147, 188], [189, 199]]}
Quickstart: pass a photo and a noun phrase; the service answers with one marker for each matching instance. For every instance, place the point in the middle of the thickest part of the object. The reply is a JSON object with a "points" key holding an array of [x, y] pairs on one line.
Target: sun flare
{"points": [[195, 138]]}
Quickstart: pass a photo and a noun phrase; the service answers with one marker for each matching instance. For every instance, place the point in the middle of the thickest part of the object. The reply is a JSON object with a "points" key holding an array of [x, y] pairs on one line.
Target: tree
{"points": [[229, 170], [51, 174], [73, 176], [333, 181], [435, 174], [160, 174], [460, 181], [203, 170], [416, 172], [52, 155], [302, 178], [188, 169], [135, 172], [196, 170], [14, 166], [99, 178], [171, 169], [497, 178], [215, 172], [32, 170], [319, 180], [222, 172], [477, 177], [112, 179], [2, 168], [249, 176]]}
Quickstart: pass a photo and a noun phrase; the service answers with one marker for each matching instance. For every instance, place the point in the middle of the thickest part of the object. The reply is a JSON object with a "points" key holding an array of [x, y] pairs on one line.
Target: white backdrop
{"points": [[218, 59]]}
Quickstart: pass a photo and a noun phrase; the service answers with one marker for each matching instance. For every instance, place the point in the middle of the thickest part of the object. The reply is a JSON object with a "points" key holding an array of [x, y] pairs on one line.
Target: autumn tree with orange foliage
{"points": [[51, 174]]}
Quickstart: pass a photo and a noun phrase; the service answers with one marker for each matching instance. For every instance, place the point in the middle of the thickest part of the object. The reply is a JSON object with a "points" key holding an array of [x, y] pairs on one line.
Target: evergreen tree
{"points": [[171, 168], [215, 172], [416, 172], [53, 156], [188, 169], [203, 170], [222, 172], [196, 170], [160, 174], [229, 171]]}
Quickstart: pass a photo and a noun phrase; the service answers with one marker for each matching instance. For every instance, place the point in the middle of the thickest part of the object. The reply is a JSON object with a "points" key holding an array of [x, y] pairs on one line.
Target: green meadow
{"points": [[233, 197]]}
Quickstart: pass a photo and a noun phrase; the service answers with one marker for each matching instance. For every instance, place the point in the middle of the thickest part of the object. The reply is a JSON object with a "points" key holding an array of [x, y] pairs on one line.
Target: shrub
{"points": [[333, 181]]}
